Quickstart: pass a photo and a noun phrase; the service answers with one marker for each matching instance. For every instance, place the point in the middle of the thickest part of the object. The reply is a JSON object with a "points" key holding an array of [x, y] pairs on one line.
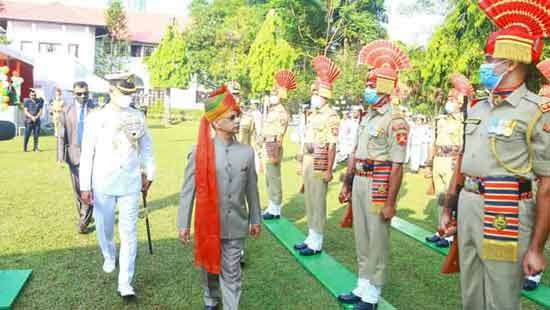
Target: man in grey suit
{"points": [[219, 177], [72, 123]]}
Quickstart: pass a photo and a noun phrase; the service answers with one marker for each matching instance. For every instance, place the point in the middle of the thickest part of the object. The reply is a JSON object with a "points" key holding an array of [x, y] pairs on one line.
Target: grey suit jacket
{"points": [[236, 181], [67, 141]]}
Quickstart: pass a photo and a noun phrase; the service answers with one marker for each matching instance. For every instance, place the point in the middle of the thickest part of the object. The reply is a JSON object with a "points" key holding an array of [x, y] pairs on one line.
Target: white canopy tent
{"points": [[55, 71]]}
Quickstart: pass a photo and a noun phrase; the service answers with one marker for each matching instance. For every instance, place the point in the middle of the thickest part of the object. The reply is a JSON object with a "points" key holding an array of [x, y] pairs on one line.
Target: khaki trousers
{"points": [[372, 234], [315, 192], [225, 287], [273, 180], [489, 284], [442, 174]]}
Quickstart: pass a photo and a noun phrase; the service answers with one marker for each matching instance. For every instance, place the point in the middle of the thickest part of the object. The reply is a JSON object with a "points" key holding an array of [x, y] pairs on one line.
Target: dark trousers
{"points": [[84, 211], [34, 129]]}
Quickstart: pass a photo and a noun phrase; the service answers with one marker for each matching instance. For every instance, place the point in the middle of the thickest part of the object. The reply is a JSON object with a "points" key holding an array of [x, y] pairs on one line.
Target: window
{"points": [[26, 47], [148, 50], [135, 50], [49, 48], [73, 50]]}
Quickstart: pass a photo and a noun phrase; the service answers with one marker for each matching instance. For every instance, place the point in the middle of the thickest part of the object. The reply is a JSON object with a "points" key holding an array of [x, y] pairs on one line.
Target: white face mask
{"points": [[451, 107], [123, 101], [273, 100], [315, 102]]}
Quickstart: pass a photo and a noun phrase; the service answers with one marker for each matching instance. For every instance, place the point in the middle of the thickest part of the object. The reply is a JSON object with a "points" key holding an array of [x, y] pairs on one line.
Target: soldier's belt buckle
{"points": [[471, 185]]}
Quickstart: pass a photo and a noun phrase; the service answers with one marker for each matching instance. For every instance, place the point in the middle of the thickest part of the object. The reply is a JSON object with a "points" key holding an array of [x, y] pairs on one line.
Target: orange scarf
{"points": [[207, 213]]}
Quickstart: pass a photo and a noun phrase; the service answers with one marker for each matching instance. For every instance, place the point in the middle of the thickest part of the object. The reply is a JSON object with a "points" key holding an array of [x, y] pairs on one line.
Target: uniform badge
{"points": [[545, 107], [472, 121], [546, 127], [402, 138], [382, 189], [499, 223]]}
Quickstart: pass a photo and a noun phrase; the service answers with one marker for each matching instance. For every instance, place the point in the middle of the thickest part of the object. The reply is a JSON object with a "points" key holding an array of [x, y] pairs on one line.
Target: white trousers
{"points": [[104, 214]]}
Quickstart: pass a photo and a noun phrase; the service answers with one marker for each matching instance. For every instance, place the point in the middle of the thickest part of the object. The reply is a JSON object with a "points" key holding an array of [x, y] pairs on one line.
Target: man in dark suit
{"points": [[71, 130], [33, 107]]}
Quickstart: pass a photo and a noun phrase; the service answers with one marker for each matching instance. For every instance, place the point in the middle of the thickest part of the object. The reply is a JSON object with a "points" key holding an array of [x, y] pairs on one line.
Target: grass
{"points": [[38, 231]]}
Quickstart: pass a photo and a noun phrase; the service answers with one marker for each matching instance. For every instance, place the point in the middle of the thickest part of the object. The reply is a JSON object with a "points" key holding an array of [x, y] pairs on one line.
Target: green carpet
{"points": [[541, 295], [11, 284], [330, 273]]}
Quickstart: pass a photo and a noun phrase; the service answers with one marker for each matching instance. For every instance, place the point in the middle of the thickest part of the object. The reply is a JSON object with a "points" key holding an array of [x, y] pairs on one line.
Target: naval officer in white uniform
{"points": [[116, 150]]}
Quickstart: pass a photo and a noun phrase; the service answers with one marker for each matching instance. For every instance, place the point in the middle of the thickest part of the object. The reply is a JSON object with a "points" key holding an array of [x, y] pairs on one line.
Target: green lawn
{"points": [[38, 231]]}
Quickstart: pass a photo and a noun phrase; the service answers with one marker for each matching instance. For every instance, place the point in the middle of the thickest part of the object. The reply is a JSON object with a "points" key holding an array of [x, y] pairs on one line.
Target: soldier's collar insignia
{"points": [[546, 127]]}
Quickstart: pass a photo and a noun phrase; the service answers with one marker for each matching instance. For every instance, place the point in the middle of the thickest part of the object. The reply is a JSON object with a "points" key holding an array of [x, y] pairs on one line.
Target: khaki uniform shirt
{"points": [[322, 126], [507, 123], [276, 122], [382, 136], [247, 129], [449, 130], [237, 182]]}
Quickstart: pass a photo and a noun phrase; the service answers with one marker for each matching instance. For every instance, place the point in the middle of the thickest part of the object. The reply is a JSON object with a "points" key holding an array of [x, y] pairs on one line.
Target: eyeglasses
{"points": [[81, 94]]}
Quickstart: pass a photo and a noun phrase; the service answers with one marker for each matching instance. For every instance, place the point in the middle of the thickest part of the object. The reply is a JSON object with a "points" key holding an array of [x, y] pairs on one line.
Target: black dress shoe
{"points": [[433, 239], [530, 285], [443, 243], [349, 298], [365, 306], [309, 252], [210, 307], [269, 216], [300, 246]]}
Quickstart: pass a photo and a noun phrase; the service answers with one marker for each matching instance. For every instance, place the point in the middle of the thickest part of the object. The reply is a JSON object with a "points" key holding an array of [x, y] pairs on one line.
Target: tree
{"points": [[113, 49], [168, 63], [269, 53]]}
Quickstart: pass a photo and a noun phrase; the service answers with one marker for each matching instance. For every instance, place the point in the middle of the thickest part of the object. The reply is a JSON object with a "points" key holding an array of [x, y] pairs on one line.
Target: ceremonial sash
{"points": [[501, 219], [320, 159], [380, 182], [272, 150]]}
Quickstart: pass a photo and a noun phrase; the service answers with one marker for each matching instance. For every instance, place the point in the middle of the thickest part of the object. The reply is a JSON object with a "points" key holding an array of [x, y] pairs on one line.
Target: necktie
{"points": [[81, 123]]}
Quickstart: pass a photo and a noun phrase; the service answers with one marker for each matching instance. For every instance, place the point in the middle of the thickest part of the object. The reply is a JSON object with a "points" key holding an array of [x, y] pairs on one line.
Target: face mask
{"points": [[273, 99], [315, 102], [370, 96], [488, 77], [123, 101], [450, 107]]}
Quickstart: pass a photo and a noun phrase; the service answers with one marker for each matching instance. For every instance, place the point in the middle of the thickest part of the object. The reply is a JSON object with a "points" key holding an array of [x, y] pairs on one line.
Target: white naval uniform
{"points": [[111, 164]]}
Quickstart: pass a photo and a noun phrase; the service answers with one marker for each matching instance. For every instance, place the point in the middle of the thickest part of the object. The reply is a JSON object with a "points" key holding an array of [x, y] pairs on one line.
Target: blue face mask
{"points": [[488, 77], [370, 96]]}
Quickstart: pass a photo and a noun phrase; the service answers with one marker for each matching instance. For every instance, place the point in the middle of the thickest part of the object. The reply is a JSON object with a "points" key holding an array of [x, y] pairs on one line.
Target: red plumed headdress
{"points": [[285, 80], [327, 72], [522, 24], [386, 59]]}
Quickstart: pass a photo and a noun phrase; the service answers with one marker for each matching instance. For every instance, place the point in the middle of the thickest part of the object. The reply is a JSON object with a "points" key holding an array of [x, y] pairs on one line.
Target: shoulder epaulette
{"points": [[542, 102]]}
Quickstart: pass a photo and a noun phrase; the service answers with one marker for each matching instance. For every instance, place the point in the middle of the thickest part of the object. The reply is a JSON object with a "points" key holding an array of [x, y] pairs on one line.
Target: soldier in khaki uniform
{"points": [[502, 226], [247, 129], [374, 175], [321, 135], [448, 132], [273, 132]]}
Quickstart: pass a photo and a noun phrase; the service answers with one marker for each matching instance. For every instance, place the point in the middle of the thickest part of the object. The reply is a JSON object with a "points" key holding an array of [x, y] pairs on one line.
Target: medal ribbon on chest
{"points": [[501, 219]]}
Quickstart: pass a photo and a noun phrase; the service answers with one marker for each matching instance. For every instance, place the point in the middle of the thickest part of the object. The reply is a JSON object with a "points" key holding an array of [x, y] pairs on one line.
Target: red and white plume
{"points": [[327, 71], [379, 53], [285, 79], [462, 85], [532, 16]]}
